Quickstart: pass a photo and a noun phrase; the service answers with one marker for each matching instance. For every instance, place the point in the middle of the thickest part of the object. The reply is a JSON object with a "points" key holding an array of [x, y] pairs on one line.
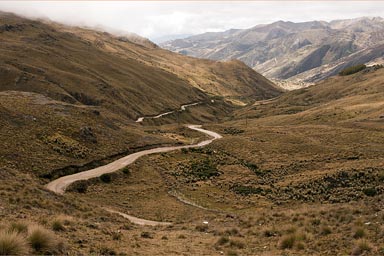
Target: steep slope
{"points": [[287, 50], [230, 79], [356, 98], [36, 57], [130, 75], [73, 94]]}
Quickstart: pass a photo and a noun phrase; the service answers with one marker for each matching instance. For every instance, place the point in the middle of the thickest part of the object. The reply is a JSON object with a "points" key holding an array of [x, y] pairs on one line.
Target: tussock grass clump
{"points": [[270, 232], [293, 240], [287, 241], [107, 251], [325, 230], [359, 233], [57, 225], [361, 246], [146, 234], [232, 232], [12, 243], [222, 240], [202, 228], [117, 235], [236, 244], [41, 240], [232, 253], [18, 227]]}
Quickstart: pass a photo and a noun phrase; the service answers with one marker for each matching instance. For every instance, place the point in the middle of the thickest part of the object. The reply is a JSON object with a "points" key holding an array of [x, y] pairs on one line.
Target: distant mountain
{"points": [[298, 52], [162, 39]]}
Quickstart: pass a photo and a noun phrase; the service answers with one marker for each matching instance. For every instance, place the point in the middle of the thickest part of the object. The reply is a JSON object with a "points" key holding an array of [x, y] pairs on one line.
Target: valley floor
{"points": [[299, 175]]}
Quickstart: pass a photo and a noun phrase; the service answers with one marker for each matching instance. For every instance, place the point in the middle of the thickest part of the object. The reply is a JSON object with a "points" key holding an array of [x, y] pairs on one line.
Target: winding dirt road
{"points": [[182, 108], [59, 185]]}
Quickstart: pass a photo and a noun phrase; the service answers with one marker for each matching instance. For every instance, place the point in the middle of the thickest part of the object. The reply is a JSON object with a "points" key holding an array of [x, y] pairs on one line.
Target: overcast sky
{"points": [[154, 19]]}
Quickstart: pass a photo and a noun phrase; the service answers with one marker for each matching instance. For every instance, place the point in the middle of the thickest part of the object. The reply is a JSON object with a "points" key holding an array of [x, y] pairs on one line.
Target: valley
{"points": [[164, 154]]}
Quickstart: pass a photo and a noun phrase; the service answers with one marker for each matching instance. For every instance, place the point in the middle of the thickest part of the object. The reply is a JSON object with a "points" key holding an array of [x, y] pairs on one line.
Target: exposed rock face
{"points": [[302, 52]]}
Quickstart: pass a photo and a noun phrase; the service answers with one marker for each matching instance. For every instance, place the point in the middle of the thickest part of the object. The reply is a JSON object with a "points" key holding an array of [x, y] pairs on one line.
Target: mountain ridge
{"points": [[284, 50], [91, 67]]}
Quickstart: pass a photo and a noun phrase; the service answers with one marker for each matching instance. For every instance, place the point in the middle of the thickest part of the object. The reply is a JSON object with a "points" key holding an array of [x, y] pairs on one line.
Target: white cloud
{"points": [[154, 19]]}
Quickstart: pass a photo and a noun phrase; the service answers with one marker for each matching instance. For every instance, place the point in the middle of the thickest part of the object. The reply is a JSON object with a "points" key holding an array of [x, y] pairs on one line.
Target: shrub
{"points": [[80, 186], [287, 241], [236, 244], [247, 190], [325, 230], [371, 191], [117, 235], [106, 178], [146, 234], [41, 240], [232, 232], [233, 131], [204, 169], [270, 232], [315, 222], [107, 251], [359, 233], [222, 240], [352, 70], [12, 243], [254, 168], [126, 171], [202, 228]]}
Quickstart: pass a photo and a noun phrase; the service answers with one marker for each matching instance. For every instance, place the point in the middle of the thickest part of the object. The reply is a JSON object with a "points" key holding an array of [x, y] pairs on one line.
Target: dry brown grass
{"points": [[12, 243], [303, 172]]}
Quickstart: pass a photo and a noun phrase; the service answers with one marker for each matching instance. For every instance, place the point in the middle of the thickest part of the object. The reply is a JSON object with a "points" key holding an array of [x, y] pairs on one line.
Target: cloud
{"points": [[157, 18]]}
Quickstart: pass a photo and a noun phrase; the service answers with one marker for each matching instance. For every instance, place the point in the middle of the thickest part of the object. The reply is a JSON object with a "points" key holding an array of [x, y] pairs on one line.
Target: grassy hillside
{"points": [[231, 79], [298, 175], [95, 68], [36, 57], [71, 95], [357, 97]]}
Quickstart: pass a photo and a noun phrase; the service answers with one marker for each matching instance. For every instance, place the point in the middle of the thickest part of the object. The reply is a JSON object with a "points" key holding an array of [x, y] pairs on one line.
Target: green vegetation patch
{"points": [[249, 190], [352, 70], [203, 169], [66, 146], [233, 131]]}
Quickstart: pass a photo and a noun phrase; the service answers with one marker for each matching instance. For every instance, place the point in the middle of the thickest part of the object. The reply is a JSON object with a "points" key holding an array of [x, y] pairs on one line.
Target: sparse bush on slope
{"points": [[352, 70]]}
